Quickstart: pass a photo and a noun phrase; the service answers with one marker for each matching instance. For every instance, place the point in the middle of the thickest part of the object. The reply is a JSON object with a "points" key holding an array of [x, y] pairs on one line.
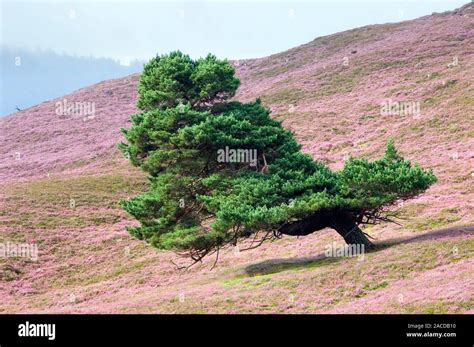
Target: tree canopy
{"points": [[175, 78], [221, 170]]}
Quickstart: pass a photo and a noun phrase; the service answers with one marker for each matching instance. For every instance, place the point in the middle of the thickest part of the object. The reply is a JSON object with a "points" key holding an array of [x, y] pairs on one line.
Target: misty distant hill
{"points": [[30, 77]]}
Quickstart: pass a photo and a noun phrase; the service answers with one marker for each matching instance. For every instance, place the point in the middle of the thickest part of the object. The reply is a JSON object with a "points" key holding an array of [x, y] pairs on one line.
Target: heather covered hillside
{"points": [[61, 177]]}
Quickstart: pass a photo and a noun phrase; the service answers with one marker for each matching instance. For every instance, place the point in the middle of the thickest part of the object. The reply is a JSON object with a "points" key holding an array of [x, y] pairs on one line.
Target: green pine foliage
{"points": [[197, 203], [175, 78]]}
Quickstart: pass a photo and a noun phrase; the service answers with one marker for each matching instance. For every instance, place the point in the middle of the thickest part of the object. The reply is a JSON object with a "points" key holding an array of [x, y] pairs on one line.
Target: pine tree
{"points": [[221, 171]]}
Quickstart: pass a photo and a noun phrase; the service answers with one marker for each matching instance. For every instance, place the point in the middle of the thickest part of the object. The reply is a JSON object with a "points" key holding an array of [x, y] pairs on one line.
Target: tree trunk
{"points": [[304, 226], [348, 229], [342, 222]]}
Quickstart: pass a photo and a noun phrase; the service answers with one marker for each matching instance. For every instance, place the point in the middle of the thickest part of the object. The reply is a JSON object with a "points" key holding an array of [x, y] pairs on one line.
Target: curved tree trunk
{"points": [[304, 226], [348, 229], [342, 222]]}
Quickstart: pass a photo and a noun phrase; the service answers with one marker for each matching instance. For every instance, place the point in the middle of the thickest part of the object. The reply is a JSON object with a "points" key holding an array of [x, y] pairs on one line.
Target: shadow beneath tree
{"points": [[282, 264], [430, 235], [271, 266]]}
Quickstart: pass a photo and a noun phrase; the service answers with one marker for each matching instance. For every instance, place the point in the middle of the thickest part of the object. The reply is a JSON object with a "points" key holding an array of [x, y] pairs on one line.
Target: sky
{"points": [[129, 30]]}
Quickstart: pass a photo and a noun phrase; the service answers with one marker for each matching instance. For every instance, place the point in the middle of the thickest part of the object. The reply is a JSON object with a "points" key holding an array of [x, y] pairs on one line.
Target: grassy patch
{"points": [[374, 286], [463, 100], [438, 307], [68, 203], [86, 275], [443, 218], [340, 81], [289, 96], [90, 190], [446, 85], [248, 283], [410, 210]]}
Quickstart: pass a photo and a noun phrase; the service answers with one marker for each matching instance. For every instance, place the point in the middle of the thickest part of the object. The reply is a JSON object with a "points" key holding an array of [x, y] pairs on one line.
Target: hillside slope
{"points": [[62, 176]]}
